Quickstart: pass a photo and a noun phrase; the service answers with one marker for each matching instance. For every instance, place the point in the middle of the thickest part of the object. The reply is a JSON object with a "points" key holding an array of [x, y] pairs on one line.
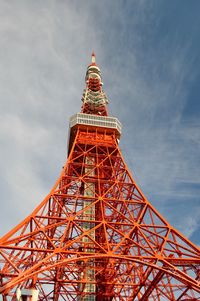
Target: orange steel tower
{"points": [[95, 237]]}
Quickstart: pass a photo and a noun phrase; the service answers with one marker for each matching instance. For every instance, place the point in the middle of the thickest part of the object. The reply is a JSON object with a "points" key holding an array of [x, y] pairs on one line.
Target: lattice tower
{"points": [[96, 236]]}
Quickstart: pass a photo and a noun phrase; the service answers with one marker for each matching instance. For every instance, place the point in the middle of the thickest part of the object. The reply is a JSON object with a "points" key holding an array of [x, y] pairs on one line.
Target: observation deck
{"points": [[82, 120]]}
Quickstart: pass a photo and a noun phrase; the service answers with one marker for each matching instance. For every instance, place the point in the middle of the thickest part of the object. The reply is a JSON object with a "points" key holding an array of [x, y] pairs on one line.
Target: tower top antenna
{"points": [[93, 58], [94, 98]]}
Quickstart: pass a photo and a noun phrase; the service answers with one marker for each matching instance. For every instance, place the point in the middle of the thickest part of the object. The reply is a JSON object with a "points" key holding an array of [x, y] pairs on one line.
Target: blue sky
{"points": [[148, 51]]}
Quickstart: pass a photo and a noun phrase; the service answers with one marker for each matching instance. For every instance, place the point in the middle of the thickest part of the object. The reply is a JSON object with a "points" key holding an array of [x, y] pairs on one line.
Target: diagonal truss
{"points": [[113, 232]]}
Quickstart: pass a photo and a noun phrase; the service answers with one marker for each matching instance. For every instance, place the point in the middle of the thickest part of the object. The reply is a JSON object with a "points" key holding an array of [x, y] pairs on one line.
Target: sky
{"points": [[149, 55]]}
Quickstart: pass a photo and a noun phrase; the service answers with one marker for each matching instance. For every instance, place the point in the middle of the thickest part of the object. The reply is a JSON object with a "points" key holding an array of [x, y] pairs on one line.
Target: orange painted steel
{"points": [[96, 236]]}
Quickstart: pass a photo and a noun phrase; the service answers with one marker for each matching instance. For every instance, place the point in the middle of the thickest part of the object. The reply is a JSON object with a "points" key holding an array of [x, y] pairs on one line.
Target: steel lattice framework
{"points": [[96, 236]]}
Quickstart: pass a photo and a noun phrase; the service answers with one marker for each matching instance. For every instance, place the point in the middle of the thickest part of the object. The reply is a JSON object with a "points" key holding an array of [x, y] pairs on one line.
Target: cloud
{"points": [[41, 87]]}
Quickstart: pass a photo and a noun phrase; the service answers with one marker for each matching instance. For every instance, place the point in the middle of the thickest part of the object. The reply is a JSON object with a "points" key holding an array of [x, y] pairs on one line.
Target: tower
{"points": [[95, 237]]}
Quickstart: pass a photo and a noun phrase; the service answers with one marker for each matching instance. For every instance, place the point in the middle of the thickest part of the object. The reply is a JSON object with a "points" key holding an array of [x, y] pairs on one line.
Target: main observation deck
{"points": [[112, 124]]}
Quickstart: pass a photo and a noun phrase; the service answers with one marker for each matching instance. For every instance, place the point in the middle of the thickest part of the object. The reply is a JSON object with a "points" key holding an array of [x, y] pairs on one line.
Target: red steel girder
{"points": [[135, 254]]}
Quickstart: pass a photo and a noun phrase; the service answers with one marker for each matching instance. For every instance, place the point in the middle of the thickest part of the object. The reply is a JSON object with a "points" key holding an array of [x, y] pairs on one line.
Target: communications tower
{"points": [[95, 237]]}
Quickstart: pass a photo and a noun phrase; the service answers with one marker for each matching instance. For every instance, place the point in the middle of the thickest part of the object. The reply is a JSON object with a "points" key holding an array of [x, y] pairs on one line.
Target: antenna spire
{"points": [[93, 58], [94, 98]]}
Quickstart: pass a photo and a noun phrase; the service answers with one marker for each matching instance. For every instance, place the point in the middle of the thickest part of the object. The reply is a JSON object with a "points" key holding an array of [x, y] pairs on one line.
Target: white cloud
{"points": [[42, 76]]}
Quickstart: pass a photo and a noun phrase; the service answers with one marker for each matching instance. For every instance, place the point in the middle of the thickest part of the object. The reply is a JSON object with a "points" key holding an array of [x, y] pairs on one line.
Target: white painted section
{"points": [[88, 273], [30, 294]]}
